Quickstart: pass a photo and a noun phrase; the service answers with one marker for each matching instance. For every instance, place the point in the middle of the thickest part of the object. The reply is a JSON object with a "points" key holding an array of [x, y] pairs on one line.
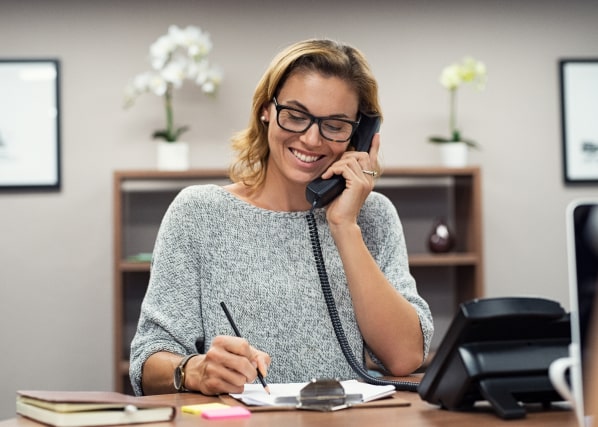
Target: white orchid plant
{"points": [[468, 70], [178, 55]]}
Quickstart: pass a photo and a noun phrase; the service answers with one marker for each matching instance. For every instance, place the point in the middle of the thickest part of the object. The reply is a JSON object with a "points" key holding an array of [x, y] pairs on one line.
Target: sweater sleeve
{"points": [[383, 233], [169, 319]]}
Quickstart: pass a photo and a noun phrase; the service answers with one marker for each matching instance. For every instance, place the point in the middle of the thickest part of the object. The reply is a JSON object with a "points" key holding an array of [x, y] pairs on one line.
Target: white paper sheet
{"points": [[281, 394]]}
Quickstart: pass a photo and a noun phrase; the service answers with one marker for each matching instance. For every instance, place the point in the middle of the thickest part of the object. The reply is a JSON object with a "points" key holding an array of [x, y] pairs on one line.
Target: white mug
{"points": [[557, 373]]}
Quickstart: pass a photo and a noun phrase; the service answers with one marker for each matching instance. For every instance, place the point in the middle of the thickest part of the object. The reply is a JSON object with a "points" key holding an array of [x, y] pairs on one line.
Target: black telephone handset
{"points": [[320, 191]]}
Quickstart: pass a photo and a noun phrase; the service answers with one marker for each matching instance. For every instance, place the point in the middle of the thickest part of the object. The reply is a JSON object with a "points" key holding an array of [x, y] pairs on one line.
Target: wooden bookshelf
{"points": [[421, 195]]}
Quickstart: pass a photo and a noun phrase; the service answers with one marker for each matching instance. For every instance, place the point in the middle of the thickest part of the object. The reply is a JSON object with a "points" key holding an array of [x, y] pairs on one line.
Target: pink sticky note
{"points": [[220, 414]]}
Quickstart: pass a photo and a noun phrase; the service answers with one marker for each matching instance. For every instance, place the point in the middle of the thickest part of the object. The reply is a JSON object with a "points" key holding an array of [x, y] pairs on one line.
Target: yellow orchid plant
{"points": [[468, 70]]}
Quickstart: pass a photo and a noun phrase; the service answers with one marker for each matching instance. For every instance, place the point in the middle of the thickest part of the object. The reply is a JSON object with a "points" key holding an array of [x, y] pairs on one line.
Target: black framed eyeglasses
{"points": [[298, 121]]}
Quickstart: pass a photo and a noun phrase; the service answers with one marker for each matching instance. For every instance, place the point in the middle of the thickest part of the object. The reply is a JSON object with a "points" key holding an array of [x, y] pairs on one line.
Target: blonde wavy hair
{"points": [[330, 58]]}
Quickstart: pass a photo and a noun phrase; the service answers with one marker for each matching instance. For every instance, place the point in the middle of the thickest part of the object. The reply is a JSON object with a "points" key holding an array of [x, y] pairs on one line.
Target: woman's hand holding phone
{"points": [[358, 185]]}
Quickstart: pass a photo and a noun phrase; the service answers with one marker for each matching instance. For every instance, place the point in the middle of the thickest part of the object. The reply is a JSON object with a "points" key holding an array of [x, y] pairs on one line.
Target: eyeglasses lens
{"points": [[296, 121]]}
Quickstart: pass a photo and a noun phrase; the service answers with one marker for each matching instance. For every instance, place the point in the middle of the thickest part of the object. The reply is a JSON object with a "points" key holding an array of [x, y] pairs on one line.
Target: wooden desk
{"points": [[419, 413]]}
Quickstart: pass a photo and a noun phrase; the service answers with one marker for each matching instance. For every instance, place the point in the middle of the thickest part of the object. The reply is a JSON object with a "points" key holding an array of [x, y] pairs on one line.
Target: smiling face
{"points": [[297, 158]]}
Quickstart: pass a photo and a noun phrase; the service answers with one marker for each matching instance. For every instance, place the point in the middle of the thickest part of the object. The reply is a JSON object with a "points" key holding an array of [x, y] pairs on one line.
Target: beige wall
{"points": [[56, 248]]}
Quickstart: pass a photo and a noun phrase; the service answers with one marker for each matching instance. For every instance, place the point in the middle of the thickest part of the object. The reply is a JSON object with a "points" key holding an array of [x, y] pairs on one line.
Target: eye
{"points": [[336, 126], [296, 116]]}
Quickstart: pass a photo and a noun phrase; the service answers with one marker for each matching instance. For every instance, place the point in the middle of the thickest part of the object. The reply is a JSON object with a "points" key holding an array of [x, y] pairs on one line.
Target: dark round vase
{"points": [[441, 238]]}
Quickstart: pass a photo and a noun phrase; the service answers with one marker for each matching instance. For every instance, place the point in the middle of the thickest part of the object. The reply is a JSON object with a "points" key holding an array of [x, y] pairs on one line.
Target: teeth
{"points": [[304, 158]]}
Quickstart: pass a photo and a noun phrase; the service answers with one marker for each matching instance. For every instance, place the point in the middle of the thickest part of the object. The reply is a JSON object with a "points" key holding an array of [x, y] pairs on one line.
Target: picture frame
{"points": [[579, 103], [30, 124]]}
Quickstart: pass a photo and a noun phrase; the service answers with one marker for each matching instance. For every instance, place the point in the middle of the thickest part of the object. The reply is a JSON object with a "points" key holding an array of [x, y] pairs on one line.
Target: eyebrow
{"points": [[302, 107]]}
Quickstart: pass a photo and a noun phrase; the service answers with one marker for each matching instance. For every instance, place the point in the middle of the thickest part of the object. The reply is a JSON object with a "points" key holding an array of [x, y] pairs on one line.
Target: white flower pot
{"points": [[453, 154], [173, 156]]}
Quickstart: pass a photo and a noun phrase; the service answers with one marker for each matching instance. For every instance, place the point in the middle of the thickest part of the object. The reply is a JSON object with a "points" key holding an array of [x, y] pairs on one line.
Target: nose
{"points": [[312, 134]]}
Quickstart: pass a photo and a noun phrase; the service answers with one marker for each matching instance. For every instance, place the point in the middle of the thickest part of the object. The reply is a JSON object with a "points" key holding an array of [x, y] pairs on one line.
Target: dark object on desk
{"points": [[498, 350]]}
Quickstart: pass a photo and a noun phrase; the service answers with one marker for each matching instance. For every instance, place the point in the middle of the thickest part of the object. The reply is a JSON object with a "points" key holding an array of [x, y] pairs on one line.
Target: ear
{"points": [[265, 116]]}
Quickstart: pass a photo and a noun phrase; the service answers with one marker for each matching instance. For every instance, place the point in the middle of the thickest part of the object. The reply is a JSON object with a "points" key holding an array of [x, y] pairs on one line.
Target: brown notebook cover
{"points": [[89, 408]]}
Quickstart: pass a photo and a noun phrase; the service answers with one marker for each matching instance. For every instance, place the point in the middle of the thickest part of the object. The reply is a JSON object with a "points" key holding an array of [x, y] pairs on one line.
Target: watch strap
{"points": [[180, 372]]}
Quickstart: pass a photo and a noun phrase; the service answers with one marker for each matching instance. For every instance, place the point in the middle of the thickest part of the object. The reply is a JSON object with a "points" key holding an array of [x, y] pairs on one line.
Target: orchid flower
{"points": [[179, 55], [453, 76]]}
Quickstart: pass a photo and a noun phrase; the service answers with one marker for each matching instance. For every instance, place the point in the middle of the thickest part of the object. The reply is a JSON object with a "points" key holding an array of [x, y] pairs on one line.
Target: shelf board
{"points": [[130, 266], [419, 171], [172, 185], [143, 174], [443, 260]]}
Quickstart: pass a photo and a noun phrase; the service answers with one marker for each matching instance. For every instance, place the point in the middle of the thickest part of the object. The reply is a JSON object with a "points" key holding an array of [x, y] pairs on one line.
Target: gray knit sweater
{"points": [[214, 247]]}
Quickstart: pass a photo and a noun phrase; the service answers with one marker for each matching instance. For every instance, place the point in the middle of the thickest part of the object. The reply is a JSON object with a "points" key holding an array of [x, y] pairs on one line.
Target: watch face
{"points": [[178, 376]]}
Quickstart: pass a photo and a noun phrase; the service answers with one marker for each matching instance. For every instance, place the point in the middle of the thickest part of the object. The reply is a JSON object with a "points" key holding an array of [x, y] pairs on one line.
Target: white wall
{"points": [[56, 248]]}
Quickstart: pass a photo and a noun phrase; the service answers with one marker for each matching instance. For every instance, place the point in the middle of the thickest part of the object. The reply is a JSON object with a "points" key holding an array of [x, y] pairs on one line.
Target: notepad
{"points": [[73, 408], [226, 413], [287, 394], [202, 407]]}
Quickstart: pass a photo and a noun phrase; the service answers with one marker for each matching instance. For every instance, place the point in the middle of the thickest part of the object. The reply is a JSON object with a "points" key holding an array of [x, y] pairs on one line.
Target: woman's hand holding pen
{"points": [[226, 367]]}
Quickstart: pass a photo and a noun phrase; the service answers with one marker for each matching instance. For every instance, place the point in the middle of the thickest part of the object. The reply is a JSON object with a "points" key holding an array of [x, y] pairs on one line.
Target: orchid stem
{"points": [[453, 114], [170, 137]]}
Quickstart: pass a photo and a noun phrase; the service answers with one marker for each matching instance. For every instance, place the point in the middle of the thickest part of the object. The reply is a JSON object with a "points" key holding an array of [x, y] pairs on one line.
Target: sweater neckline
{"points": [[230, 196]]}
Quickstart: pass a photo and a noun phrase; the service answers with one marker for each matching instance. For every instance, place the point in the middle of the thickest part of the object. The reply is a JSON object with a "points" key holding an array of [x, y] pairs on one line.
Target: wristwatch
{"points": [[179, 374]]}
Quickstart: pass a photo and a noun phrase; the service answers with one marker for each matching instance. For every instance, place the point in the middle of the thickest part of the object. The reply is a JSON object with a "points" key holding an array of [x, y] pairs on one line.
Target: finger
{"points": [[235, 345], [212, 376], [258, 359], [262, 362], [341, 167], [369, 161], [375, 150], [235, 354], [217, 378], [350, 169], [360, 164]]}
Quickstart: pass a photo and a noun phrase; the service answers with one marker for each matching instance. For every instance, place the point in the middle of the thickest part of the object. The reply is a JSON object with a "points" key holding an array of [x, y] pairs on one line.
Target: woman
{"points": [[248, 244]]}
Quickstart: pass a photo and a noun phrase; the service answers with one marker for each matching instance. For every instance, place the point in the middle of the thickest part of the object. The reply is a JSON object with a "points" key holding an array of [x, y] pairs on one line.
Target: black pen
{"points": [[237, 333]]}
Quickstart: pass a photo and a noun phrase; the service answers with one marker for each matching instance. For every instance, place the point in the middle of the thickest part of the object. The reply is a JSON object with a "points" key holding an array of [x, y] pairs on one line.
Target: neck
{"points": [[273, 195], [278, 195]]}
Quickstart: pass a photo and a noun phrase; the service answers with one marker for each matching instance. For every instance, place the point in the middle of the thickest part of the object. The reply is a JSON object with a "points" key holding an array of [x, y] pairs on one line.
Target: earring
{"points": [[263, 119]]}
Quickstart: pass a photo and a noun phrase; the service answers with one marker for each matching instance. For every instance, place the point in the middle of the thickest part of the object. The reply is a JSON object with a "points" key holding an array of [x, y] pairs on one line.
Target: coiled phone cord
{"points": [[336, 322]]}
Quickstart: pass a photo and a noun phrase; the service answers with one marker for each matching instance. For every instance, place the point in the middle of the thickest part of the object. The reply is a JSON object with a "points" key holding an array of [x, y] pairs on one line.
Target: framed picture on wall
{"points": [[29, 124], [579, 119]]}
